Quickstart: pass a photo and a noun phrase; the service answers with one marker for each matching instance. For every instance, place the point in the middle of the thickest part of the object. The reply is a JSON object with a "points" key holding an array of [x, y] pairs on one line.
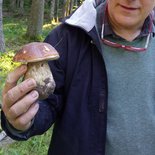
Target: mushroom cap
{"points": [[36, 51]]}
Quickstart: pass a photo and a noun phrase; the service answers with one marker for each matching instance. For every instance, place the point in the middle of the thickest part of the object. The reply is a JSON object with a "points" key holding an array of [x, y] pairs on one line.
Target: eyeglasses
{"points": [[126, 47]]}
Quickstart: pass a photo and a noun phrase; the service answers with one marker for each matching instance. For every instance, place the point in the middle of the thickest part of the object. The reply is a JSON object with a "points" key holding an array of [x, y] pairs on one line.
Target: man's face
{"points": [[129, 13]]}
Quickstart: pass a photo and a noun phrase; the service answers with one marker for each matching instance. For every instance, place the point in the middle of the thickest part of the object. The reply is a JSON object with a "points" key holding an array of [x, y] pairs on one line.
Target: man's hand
{"points": [[19, 101]]}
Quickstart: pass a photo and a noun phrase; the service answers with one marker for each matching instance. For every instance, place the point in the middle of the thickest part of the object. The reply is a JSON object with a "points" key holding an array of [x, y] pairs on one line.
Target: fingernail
{"points": [[30, 83], [34, 94]]}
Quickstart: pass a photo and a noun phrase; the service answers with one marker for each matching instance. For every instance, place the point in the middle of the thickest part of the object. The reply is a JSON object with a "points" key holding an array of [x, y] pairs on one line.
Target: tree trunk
{"points": [[64, 8], [71, 6], [2, 43], [76, 3], [57, 10], [35, 22], [68, 7], [12, 5], [52, 8], [21, 7]]}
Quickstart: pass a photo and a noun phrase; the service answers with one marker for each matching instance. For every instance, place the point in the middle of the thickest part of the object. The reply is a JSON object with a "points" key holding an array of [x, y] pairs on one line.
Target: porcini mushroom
{"points": [[36, 55]]}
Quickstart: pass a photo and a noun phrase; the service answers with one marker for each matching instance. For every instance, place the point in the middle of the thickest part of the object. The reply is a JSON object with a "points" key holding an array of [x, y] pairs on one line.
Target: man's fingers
{"points": [[13, 77], [23, 122], [22, 105], [18, 92]]}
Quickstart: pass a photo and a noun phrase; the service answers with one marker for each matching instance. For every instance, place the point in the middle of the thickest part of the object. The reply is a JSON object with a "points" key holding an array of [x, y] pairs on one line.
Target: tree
{"points": [[2, 43], [16, 5], [71, 6], [12, 5], [57, 10], [35, 22], [21, 7], [68, 7], [52, 8], [76, 3]]}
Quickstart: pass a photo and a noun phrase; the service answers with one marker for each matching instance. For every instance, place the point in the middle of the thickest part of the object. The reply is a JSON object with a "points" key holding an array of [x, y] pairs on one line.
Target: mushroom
{"points": [[36, 55]]}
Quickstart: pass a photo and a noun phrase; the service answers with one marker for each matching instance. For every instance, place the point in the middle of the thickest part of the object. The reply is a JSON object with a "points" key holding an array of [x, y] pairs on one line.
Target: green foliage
{"points": [[35, 146], [15, 33], [6, 63], [14, 30]]}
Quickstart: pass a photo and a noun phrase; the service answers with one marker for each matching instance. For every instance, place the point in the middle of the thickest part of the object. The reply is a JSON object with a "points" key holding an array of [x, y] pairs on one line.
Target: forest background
{"points": [[21, 22]]}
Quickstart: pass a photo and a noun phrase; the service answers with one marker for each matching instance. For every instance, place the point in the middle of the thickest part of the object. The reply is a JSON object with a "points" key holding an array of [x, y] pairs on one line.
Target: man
{"points": [[107, 55]]}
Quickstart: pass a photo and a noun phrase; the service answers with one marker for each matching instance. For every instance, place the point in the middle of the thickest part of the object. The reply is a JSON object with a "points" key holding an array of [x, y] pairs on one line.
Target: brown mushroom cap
{"points": [[36, 51]]}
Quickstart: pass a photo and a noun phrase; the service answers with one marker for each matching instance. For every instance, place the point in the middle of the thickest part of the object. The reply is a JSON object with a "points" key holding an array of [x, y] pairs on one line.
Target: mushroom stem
{"points": [[41, 73]]}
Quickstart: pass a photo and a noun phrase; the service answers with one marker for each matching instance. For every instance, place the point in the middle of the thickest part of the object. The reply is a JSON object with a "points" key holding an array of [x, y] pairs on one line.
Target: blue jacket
{"points": [[78, 105]]}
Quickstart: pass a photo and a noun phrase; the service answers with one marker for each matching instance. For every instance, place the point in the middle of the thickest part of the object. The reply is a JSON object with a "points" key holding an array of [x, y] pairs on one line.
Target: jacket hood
{"points": [[85, 16]]}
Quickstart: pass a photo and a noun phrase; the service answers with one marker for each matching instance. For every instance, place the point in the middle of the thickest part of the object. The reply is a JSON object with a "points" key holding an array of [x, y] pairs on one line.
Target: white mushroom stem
{"points": [[41, 73]]}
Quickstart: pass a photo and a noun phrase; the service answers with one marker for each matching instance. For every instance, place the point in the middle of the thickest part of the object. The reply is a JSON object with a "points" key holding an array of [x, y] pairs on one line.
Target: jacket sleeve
{"points": [[51, 108]]}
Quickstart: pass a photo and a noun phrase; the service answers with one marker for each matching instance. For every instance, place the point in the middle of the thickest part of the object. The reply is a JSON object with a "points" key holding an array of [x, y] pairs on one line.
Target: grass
{"points": [[35, 146], [14, 33], [15, 30]]}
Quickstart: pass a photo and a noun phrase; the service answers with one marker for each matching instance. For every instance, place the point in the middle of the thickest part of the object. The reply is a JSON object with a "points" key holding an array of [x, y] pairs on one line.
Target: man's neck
{"points": [[128, 33]]}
